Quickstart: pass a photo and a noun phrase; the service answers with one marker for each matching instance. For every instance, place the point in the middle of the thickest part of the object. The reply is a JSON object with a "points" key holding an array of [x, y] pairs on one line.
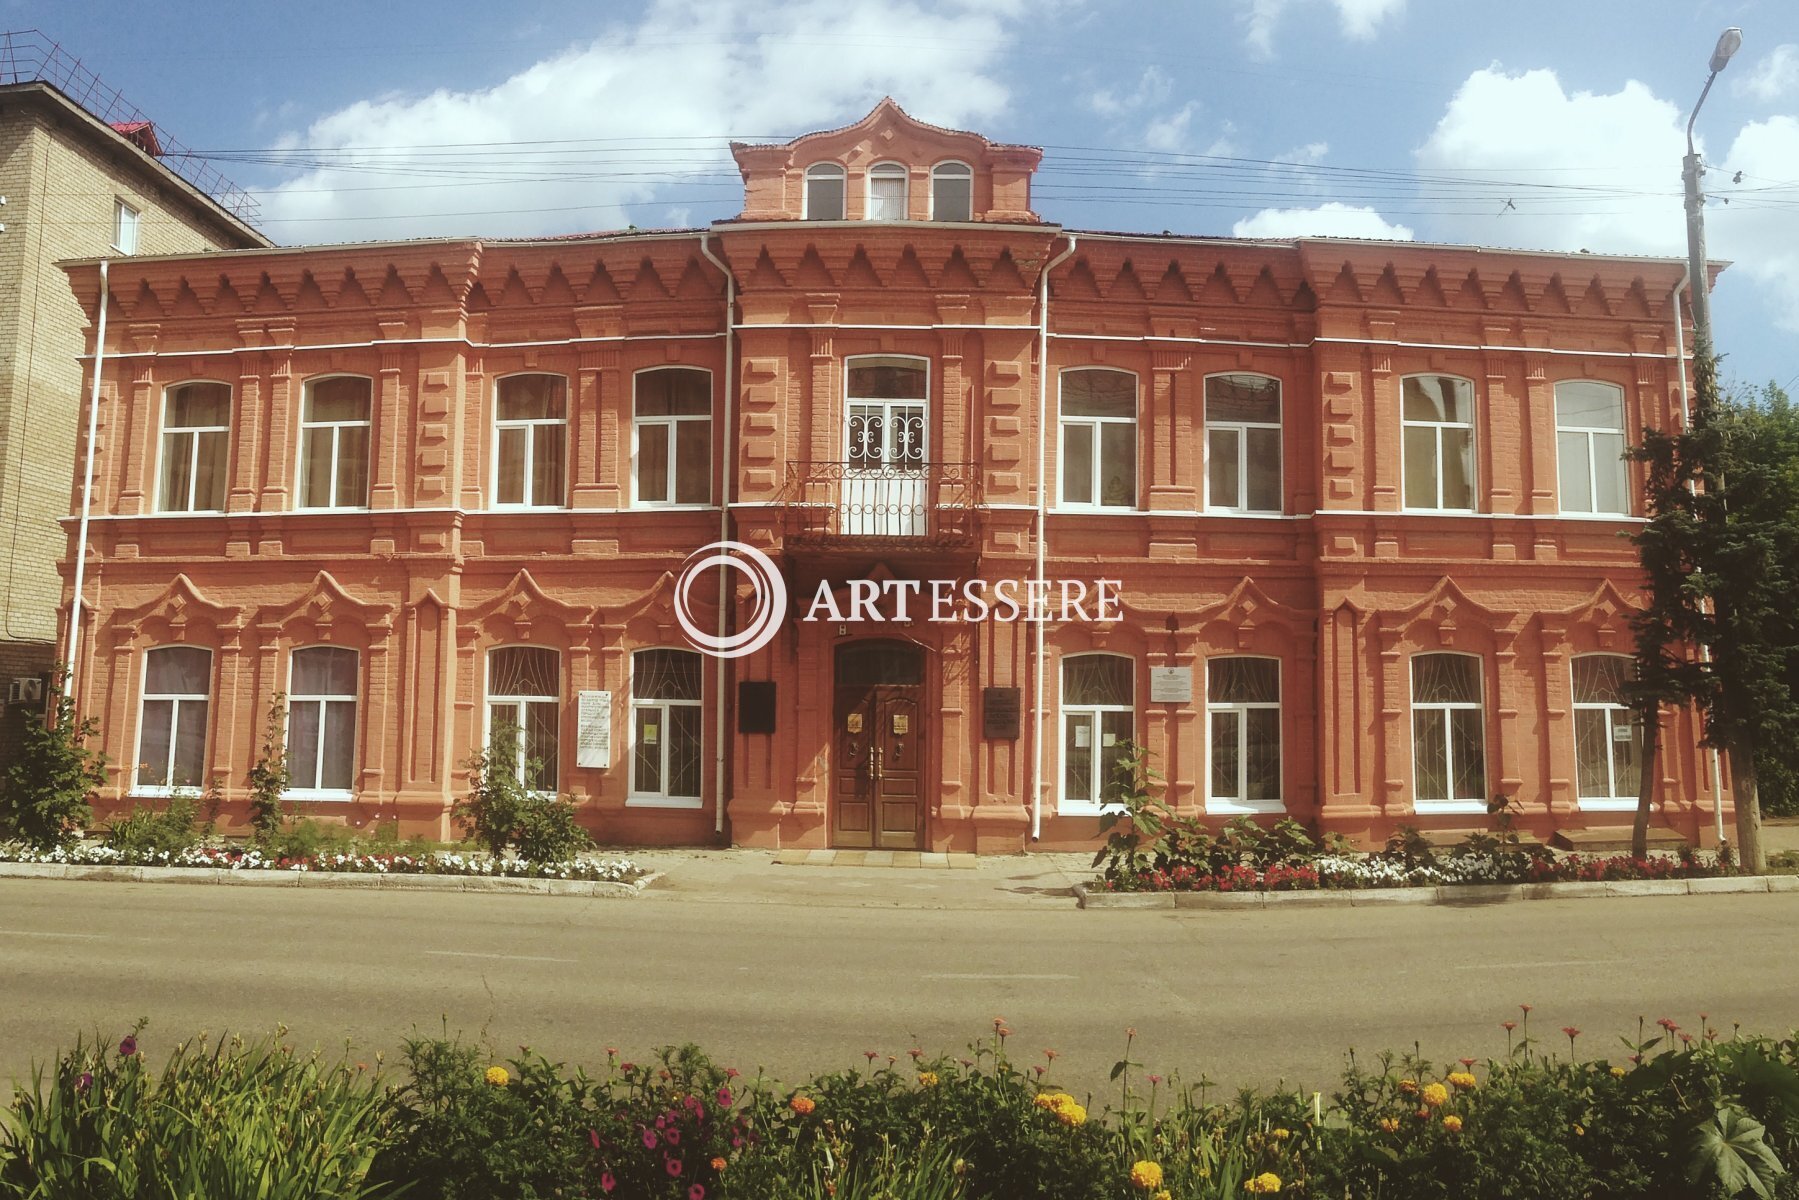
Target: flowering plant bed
{"points": [[240, 858], [1351, 873]]}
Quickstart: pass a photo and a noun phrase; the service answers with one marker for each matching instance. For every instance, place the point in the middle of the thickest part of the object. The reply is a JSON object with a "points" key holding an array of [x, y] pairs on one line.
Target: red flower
{"points": [[1571, 1032], [673, 1166], [1509, 1025]]}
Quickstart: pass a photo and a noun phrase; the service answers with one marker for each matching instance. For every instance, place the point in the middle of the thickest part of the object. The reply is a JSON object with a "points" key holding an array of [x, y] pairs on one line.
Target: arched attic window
{"points": [[824, 192]]}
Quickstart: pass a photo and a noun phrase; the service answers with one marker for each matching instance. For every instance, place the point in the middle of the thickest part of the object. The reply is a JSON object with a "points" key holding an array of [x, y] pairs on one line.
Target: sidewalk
{"points": [[962, 881]]}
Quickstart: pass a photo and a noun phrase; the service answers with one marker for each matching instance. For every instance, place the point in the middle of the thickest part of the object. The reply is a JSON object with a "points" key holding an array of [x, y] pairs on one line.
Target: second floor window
{"points": [[531, 441], [321, 720], [196, 428], [952, 192], [673, 455], [1589, 447], [1243, 443], [524, 708], [887, 192], [824, 192], [1437, 416], [1099, 438], [334, 443], [171, 738], [1449, 758]]}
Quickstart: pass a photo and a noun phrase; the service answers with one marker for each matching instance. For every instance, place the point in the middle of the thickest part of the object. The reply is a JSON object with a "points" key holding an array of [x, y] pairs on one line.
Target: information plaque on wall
{"points": [[1000, 712], [1171, 685], [593, 737]]}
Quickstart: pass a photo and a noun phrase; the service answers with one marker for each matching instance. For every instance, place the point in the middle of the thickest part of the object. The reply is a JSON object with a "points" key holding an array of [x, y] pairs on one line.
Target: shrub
{"points": [[145, 831], [45, 796], [503, 811], [269, 775]]}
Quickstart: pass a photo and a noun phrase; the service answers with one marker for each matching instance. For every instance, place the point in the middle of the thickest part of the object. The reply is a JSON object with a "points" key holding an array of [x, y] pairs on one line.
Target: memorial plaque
{"points": [[593, 737], [756, 706], [1171, 685], [1000, 712]]}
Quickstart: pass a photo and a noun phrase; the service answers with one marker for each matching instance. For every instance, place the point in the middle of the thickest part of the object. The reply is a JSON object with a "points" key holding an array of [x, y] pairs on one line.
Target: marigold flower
{"points": [[497, 1076], [1163, 1195], [1043, 1100], [803, 1105], [1265, 1184], [1617, 1072], [719, 1164], [1462, 1080], [927, 1079], [1146, 1175], [1389, 1124], [1435, 1095], [1281, 1135], [1408, 1087], [1452, 1123]]}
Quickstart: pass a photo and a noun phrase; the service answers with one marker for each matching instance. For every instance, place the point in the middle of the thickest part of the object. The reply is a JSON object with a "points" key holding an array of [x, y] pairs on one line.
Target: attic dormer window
{"points": [[824, 192], [952, 192], [887, 192]]}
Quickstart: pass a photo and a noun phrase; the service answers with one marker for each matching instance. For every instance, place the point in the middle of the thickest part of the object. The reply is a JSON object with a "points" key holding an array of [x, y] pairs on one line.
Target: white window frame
{"points": [[1232, 805], [638, 798], [1241, 428], [192, 433], [1092, 715], [1471, 425], [1588, 434], [1455, 805], [529, 426], [938, 171], [127, 223], [1098, 471], [1613, 801], [322, 700], [673, 422], [145, 696], [824, 170], [886, 169], [520, 713], [923, 402], [336, 428]]}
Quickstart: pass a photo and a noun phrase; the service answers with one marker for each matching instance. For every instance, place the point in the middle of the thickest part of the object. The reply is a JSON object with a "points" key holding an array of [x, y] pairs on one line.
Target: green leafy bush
{"points": [[269, 776], [174, 828], [502, 809], [45, 797]]}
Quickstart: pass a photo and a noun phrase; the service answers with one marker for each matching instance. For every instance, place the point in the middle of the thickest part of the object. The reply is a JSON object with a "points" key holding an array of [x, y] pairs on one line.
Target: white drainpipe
{"points": [[87, 490], [727, 464], [1037, 713]]}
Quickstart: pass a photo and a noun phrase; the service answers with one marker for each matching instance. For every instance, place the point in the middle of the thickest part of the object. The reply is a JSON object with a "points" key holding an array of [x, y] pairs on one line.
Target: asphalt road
{"points": [[797, 984]]}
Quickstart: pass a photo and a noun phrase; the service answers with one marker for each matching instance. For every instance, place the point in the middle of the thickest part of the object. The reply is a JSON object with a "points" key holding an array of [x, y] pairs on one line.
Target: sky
{"points": [[1543, 125]]}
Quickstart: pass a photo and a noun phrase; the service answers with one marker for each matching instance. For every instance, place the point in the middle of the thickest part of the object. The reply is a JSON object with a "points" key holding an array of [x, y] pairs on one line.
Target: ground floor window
{"points": [[1449, 763], [524, 712], [1099, 712], [665, 728], [171, 745], [321, 721], [1243, 712], [1608, 746]]}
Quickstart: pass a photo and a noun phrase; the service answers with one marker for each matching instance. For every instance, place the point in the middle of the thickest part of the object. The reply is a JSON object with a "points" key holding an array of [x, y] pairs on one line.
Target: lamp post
{"points": [[1690, 170]]}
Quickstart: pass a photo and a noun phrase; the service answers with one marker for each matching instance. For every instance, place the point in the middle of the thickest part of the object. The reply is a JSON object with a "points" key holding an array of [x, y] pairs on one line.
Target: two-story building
{"points": [[1334, 529]]}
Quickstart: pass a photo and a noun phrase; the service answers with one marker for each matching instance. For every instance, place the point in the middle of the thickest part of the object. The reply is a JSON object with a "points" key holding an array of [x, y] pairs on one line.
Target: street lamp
{"points": [[1728, 42]]}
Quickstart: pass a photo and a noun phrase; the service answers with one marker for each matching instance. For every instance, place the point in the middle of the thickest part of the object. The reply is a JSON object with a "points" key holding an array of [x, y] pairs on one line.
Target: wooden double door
{"points": [[878, 747]]}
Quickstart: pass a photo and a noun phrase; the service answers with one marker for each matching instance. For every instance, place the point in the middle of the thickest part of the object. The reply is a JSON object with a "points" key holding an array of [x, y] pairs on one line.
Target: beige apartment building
{"points": [[74, 184]]}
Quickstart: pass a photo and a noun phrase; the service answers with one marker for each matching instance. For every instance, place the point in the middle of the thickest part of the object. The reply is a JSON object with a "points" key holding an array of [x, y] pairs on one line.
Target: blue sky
{"points": [[1543, 125]]}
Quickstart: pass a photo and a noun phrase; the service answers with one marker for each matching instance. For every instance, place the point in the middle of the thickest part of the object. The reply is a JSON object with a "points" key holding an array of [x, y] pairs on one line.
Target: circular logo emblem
{"points": [[765, 582]]}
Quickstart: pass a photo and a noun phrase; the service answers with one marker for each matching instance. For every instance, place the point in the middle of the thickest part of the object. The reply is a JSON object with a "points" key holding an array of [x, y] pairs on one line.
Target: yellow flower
{"points": [[1162, 1196], [1579, 1132], [802, 1104], [1390, 1124], [1265, 1184], [1071, 1114], [1452, 1123], [1146, 1175], [1408, 1087], [1436, 1095], [1617, 1072], [1281, 1135], [498, 1076], [1461, 1079], [927, 1079], [1044, 1100]]}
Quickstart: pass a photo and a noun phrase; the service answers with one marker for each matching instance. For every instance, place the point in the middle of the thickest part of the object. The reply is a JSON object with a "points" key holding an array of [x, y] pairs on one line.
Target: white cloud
{"points": [[685, 76], [1360, 19], [1152, 88], [1259, 19], [1775, 76], [1762, 239], [1326, 220], [1168, 134]]}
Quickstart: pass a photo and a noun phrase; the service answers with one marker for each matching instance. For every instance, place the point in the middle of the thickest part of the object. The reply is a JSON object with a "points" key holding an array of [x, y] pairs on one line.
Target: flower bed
{"points": [[1346, 872], [234, 858]]}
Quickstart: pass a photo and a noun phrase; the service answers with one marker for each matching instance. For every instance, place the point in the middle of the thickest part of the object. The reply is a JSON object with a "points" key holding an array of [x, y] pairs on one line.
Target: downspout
{"points": [[727, 465], [1037, 713], [1686, 423], [87, 490]]}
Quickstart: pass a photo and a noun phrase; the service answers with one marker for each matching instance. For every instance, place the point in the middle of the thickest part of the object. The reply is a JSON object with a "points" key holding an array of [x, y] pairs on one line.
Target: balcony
{"points": [[851, 505]]}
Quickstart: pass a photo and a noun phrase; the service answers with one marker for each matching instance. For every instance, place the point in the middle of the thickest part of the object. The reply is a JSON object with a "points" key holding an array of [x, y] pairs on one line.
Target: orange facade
{"points": [[1359, 508]]}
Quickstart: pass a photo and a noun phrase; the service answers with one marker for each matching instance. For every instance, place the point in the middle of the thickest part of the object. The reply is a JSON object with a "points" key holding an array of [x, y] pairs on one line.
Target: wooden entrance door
{"points": [[878, 748]]}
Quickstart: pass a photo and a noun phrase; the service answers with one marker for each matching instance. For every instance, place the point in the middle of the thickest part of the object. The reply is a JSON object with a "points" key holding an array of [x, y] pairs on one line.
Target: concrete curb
{"points": [[1465, 895], [363, 880]]}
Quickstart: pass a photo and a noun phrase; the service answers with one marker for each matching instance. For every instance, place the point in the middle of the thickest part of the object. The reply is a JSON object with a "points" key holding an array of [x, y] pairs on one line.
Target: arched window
{"points": [[1589, 447], [531, 441], [196, 432], [321, 721], [1243, 708], [334, 442], [1099, 716], [524, 712], [1437, 420], [1449, 756], [666, 732], [887, 192], [952, 192], [1099, 438], [672, 452], [1243, 443], [171, 728], [824, 192], [1608, 745]]}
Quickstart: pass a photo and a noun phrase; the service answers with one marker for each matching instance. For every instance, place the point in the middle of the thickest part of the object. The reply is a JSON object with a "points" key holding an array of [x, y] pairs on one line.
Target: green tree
{"points": [[45, 797], [270, 776]]}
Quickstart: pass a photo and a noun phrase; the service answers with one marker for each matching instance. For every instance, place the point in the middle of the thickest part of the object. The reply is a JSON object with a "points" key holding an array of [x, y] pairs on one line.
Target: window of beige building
{"points": [[124, 227]]}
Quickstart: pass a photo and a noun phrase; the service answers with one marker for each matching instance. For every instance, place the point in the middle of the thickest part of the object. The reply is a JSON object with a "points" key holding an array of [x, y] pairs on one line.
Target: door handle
{"points": [[874, 768]]}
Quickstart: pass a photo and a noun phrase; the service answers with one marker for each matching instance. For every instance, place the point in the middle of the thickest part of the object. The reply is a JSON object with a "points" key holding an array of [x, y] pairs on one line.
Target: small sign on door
{"points": [[853, 723], [902, 723]]}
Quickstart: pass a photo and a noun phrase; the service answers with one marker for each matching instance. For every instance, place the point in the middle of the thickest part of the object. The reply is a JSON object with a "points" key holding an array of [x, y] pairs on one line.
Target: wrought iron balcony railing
{"points": [[847, 504]]}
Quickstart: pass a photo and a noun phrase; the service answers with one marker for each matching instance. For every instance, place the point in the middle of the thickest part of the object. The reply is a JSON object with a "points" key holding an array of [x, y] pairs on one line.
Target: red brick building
{"points": [[1360, 505]]}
